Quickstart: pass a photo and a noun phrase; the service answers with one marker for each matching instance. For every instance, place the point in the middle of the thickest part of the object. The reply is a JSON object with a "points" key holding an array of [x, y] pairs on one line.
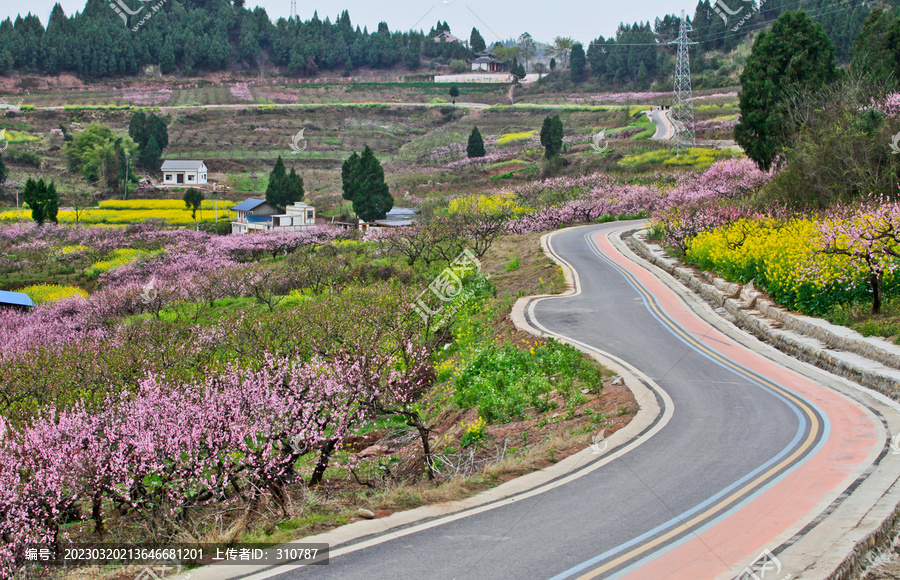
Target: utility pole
{"points": [[125, 183], [293, 9], [682, 99]]}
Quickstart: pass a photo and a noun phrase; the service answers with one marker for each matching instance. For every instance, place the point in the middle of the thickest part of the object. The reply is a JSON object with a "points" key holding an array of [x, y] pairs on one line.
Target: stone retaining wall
{"points": [[748, 311]]}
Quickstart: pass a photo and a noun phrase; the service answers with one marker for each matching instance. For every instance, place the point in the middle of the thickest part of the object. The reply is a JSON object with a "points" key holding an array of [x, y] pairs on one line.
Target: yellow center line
{"points": [[699, 346]]}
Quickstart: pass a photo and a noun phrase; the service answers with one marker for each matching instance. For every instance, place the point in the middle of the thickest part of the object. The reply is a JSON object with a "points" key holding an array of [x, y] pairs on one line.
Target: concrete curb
{"points": [[857, 551], [366, 532], [761, 317]]}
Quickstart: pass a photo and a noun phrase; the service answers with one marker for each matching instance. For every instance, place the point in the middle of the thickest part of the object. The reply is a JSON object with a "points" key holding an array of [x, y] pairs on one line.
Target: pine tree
{"points": [[794, 55], [875, 50], [546, 129], [557, 134], [151, 135], [277, 188], [137, 128], [293, 188], [51, 203], [150, 154], [476, 41], [363, 180], [348, 176], [475, 147], [167, 57], [42, 199], [577, 62]]}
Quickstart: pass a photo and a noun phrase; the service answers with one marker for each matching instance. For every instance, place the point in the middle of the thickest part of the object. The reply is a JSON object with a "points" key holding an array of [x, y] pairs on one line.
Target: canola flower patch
{"points": [[805, 264], [45, 293]]}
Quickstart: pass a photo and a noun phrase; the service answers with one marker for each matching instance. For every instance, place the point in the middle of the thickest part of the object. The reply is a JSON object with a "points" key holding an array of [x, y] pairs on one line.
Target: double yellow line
{"points": [[806, 408]]}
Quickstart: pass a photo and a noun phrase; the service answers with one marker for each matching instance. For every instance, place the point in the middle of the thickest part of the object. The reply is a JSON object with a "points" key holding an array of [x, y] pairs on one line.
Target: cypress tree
{"points": [[476, 41], [552, 136], [365, 187], [277, 186], [577, 62], [475, 147], [794, 55], [42, 199]]}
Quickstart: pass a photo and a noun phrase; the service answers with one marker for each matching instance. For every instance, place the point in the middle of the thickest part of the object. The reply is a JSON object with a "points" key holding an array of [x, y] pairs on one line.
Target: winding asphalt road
{"points": [[664, 129], [746, 455]]}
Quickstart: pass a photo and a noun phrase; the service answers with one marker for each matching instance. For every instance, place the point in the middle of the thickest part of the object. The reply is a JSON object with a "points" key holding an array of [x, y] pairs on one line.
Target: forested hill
{"points": [[190, 37], [842, 20]]}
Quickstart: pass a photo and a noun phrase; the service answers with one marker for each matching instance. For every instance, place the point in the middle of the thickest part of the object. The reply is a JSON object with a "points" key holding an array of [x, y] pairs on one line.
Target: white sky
{"points": [[583, 20]]}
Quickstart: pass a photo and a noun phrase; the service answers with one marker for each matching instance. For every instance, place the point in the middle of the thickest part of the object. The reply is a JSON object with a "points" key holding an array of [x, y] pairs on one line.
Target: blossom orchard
{"points": [[173, 447], [594, 196]]}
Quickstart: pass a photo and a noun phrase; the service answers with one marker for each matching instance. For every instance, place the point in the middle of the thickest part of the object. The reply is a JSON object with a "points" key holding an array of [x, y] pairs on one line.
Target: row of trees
{"points": [[187, 36]]}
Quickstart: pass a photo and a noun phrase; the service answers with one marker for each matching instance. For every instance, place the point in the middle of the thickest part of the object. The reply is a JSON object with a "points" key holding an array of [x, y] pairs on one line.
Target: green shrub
{"points": [[505, 381]]}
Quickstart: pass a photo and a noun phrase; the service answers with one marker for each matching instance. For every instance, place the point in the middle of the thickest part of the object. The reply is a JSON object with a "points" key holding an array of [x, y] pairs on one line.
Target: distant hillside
{"points": [[190, 37]]}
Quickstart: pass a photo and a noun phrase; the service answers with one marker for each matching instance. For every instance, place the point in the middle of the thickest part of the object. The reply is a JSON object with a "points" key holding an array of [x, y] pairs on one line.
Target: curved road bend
{"points": [[664, 129], [751, 453]]}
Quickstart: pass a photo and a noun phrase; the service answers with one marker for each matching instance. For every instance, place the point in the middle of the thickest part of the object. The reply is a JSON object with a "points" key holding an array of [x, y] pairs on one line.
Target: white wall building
{"points": [[183, 172], [257, 216]]}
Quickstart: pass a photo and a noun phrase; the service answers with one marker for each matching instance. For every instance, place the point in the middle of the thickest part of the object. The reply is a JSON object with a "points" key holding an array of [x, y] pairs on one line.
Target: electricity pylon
{"points": [[682, 103]]}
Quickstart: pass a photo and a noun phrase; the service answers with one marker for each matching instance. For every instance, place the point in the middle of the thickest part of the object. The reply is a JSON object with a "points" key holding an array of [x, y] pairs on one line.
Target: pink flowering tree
{"points": [[868, 235]]}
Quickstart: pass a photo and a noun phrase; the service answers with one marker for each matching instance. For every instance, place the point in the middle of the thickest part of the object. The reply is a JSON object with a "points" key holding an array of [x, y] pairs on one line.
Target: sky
{"points": [[582, 20]]}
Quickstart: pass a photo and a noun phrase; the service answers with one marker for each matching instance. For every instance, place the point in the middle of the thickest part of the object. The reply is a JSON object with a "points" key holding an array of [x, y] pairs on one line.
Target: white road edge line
{"points": [[633, 435]]}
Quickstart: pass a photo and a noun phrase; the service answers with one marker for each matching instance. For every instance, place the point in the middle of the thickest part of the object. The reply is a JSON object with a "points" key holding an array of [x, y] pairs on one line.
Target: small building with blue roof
{"points": [[18, 300], [259, 216]]}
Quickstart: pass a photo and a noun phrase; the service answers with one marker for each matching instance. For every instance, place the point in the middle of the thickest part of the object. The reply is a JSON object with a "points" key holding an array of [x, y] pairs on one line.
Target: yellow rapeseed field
{"points": [[44, 293]]}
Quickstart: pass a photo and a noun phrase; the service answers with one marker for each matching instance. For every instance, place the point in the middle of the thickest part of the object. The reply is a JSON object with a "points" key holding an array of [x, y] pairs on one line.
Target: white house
{"points": [[183, 172], [257, 216]]}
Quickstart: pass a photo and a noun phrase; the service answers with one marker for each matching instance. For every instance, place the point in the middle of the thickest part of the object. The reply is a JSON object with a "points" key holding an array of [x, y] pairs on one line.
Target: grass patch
{"points": [[859, 317]]}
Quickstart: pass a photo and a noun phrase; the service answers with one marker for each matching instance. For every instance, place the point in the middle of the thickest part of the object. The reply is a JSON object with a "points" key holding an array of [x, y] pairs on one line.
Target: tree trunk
{"points": [[875, 281], [322, 465], [97, 514], [277, 488], [415, 421]]}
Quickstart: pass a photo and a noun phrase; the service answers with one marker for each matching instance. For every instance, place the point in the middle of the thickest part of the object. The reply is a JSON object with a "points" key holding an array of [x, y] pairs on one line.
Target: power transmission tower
{"points": [[682, 103], [293, 9]]}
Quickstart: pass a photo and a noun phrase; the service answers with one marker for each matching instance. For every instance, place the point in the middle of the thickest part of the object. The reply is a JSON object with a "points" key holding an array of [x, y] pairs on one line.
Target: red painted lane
{"points": [[795, 500]]}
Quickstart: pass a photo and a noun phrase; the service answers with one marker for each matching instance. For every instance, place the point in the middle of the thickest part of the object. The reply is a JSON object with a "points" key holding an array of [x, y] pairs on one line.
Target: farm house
{"points": [[258, 216], [183, 172]]}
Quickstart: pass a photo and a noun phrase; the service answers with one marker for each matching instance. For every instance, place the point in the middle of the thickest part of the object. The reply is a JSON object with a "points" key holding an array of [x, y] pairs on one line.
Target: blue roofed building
{"points": [[17, 300], [259, 216]]}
